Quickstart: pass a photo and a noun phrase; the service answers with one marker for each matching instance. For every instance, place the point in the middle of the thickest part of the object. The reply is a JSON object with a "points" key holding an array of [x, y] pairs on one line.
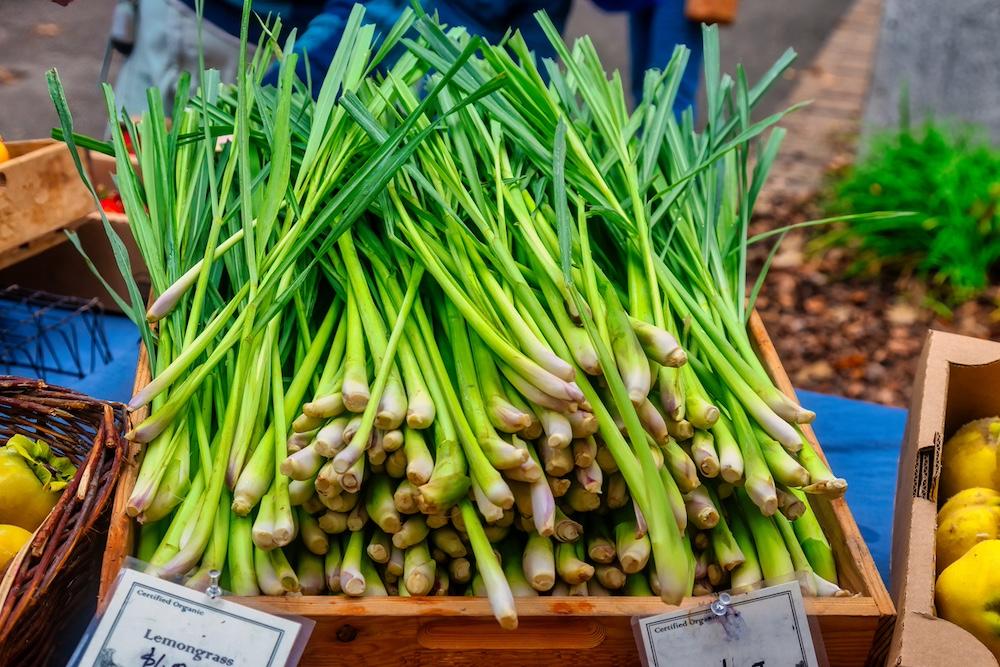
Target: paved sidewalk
{"points": [[837, 84]]}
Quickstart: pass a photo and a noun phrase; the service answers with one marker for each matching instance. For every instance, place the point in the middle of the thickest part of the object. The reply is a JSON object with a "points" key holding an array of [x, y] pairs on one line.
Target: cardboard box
{"points": [[958, 380]]}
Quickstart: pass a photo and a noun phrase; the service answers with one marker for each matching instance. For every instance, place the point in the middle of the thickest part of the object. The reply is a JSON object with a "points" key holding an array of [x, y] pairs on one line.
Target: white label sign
{"points": [[765, 628], [150, 622]]}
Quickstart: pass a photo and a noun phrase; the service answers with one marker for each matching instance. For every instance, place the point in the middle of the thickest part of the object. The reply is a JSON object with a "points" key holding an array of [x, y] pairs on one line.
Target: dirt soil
{"points": [[858, 337]]}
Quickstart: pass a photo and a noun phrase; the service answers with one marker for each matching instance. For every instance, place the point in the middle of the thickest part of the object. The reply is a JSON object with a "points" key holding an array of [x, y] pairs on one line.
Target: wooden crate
{"points": [[41, 194], [462, 631]]}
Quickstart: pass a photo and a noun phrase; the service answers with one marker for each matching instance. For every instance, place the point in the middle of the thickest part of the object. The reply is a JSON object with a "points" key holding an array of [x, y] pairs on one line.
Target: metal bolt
{"points": [[347, 633]]}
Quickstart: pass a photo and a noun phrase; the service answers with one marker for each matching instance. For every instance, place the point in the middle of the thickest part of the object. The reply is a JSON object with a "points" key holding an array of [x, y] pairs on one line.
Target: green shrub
{"points": [[951, 183]]}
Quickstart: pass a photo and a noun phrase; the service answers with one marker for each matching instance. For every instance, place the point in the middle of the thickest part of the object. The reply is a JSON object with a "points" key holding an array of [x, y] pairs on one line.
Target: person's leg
{"points": [[149, 62], [639, 26], [667, 26]]}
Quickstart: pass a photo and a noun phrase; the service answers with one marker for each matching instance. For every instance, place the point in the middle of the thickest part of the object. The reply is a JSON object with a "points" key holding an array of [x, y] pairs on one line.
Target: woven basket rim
{"points": [[93, 429]]}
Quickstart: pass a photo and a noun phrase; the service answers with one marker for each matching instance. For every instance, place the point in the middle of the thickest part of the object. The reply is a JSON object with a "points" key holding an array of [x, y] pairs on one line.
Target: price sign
{"points": [[150, 622], [765, 628]]}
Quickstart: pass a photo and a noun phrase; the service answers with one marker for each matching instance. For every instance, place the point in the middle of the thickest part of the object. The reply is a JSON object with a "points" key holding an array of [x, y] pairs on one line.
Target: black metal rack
{"points": [[47, 333]]}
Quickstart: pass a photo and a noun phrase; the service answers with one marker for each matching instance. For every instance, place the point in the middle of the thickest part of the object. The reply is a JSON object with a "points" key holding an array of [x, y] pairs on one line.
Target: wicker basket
{"points": [[50, 585]]}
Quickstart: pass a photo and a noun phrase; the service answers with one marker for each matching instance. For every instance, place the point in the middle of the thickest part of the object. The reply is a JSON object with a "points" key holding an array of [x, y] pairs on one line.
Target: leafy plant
{"points": [[949, 181]]}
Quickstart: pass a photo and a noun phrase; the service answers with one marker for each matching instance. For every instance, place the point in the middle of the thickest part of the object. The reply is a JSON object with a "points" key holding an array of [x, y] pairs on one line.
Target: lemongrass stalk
{"points": [[538, 562], [783, 467], [303, 464], [352, 581], [313, 537], [758, 481], [822, 480], [512, 358], [606, 459], [267, 578], [543, 507], [730, 458], [263, 525], [355, 392], [404, 498], [789, 505], [344, 502], [658, 344], [379, 547], [309, 572], [189, 353], [332, 523], [375, 451], [256, 393], [633, 552], [175, 482], [353, 477], [214, 558], [502, 414], [448, 540], [637, 585], [581, 500], [701, 509], [492, 513], [704, 455], [284, 570], [584, 452], [533, 394], [672, 396], [313, 505], [487, 566], [630, 358], [680, 465], [534, 428], [681, 430], [460, 570], [284, 526], [375, 409], [558, 486], [698, 409], [557, 428], [531, 343], [610, 577], [590, 478], [331, 567], [814, 541], [775, 561], [414, 530], [652, 421], [357, 518], [325, 407], [600, 546], [240, 558], [570, 564], [330, 438], [298, 441], [617, 494], [557, 462], [395, 464], [576, 338]]}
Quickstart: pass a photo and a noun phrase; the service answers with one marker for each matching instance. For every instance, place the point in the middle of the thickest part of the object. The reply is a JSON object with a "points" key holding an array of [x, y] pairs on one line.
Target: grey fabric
{"points": [[166, 44]]}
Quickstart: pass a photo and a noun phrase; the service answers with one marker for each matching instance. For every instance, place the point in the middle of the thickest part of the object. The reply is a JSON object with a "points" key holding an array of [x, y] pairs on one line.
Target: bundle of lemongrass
{"points": [[458, 328]]}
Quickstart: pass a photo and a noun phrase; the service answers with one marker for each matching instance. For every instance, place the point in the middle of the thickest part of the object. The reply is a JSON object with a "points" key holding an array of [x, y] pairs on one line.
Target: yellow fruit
{"points": [[964, 529], [12, 538], [968, 593], [4, 153], [969, 457], [24, 501], [976, 496]]}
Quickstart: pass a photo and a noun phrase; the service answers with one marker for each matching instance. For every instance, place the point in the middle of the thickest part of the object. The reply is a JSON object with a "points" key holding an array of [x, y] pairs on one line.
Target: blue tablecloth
{"points": [[861, 440]]}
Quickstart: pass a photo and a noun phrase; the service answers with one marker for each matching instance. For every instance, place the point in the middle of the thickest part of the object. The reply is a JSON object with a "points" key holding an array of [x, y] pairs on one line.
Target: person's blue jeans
{"points": [[654, 31]]}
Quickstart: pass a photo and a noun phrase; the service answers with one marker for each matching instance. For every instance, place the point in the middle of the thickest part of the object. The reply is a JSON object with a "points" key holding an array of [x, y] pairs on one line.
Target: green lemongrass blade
{"points": [[561, 204]]}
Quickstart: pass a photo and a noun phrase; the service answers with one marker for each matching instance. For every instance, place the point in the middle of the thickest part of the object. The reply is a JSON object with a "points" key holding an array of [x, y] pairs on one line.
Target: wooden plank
{"points": [[40, 191], [461, 630]]}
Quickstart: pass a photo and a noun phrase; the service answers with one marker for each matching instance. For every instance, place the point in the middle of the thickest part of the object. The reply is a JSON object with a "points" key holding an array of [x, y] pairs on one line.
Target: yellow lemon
{"points": [[24, 501], [964, 529], [4, 153], [976, 496], [968, 593], [12, 538], [969, 458]]}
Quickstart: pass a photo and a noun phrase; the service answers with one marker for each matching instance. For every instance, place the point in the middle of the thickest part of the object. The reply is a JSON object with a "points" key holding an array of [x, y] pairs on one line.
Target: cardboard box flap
{"points": [[958, 380]]}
